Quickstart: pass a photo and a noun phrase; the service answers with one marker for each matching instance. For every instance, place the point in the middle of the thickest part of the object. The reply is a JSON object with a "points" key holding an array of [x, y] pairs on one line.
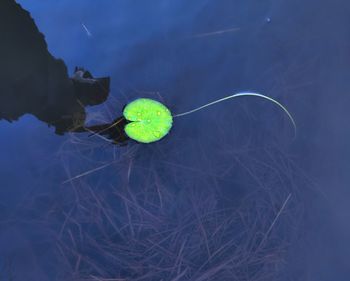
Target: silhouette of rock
{"points": [[33, 82]]}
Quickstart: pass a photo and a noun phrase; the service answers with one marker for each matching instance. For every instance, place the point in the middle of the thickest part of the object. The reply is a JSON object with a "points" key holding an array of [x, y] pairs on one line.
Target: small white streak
{"points": [[216, 32], [86, 30]]}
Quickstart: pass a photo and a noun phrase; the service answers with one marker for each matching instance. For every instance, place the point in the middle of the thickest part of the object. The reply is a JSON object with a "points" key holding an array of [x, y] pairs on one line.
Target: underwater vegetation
{"points": [[152, 212], [146, 213]]}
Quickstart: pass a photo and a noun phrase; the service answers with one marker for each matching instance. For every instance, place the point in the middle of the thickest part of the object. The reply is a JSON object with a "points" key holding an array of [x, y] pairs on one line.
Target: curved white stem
{"points": [[242, 95]]}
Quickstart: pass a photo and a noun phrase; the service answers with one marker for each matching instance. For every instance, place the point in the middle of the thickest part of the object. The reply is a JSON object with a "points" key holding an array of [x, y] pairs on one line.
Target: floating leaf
{"points": [[150, 120]]}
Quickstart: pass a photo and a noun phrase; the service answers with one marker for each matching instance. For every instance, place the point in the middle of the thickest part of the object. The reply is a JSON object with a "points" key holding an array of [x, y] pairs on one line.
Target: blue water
{"points": [[296, 51]]}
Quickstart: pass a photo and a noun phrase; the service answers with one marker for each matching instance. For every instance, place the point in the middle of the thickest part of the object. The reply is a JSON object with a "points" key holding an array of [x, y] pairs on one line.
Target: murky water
{"points": [[239, 154]]}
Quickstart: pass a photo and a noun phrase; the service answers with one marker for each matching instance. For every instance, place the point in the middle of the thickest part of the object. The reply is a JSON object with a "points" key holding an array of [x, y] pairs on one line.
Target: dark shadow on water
{"points": [[34, 82]]}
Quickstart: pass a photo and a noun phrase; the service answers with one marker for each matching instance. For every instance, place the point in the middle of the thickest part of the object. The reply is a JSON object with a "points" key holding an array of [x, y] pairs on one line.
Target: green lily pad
{"points": [[150, 120]]}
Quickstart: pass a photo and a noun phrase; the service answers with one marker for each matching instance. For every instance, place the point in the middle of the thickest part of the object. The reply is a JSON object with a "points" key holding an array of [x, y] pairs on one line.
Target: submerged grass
{"points": [[228, 213], [126, 235]]}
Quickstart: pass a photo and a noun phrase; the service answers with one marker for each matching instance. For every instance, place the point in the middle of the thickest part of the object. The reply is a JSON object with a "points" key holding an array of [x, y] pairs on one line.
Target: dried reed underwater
{"points": [[160, 213]]}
